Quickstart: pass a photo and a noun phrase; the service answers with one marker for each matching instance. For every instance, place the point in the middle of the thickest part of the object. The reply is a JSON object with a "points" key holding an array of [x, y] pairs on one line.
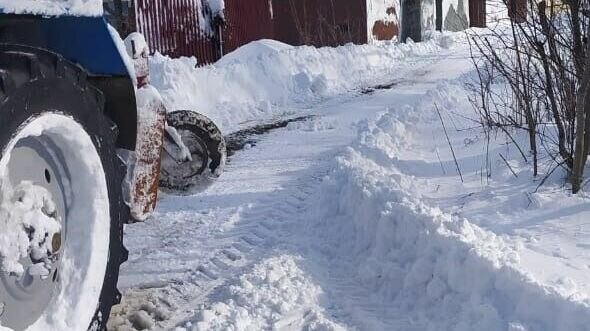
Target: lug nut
{"points": [[56, 243]]}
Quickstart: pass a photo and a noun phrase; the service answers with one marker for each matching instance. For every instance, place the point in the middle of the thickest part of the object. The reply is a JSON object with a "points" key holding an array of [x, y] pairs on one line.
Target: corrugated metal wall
{"points": [[177, 28], [320, 22], [172, 27], [477, 13], [247, 20]]}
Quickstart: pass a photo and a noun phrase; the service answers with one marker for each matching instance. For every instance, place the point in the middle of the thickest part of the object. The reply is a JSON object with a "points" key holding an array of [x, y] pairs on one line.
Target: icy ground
{"points": [[356, 218]]}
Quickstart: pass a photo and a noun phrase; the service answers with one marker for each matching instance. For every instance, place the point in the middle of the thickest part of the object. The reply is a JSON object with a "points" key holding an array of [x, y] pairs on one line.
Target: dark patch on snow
{"points": [[373, 89], [249, 136]]}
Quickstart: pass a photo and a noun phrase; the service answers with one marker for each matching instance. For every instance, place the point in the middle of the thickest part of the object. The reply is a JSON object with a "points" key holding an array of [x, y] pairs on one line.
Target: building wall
{"points": [[382, 19], [455, 15], [190, 28], [320, 22], [247, 20]]}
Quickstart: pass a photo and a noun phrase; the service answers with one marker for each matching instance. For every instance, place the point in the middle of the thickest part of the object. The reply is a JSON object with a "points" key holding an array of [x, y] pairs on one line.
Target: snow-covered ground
{"points": [[356, 218]]}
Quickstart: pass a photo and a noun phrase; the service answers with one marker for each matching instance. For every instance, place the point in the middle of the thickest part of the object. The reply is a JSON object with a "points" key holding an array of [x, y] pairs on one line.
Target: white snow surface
{"points": [[355, 218], [261, 80], [53, 7]]}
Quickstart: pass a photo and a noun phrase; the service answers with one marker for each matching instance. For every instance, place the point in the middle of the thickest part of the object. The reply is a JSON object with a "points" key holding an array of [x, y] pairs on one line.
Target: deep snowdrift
{"points": [[437, 269], [261, 80]]}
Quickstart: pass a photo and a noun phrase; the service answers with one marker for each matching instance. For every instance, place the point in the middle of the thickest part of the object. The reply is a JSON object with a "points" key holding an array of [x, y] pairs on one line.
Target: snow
{"points": [[261, 80], [355, 218], [253, 51], [277, 283], [52, 7], [24, 207], [217, 7]]}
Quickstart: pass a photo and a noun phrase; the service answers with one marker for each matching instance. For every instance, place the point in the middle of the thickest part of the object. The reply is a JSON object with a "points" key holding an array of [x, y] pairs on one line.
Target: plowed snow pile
{"points": [[433, 267], [266, 79]]}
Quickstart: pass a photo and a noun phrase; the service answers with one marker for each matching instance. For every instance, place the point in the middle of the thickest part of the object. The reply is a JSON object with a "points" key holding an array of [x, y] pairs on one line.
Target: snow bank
{"points": [[52, 7], [256, 80], [436, 269]]}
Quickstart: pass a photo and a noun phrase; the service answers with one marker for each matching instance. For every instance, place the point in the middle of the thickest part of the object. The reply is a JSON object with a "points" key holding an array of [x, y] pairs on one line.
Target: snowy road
{"points": [[353, 218], [184, 258]]}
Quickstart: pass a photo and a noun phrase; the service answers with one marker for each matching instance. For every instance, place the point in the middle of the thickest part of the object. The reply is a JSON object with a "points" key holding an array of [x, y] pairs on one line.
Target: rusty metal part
{"points": [[151, 124], [148, 151]]}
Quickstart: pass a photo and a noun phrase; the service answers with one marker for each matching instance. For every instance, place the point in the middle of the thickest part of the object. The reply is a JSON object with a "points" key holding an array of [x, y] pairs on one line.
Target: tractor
{"points": [[87, 143]]}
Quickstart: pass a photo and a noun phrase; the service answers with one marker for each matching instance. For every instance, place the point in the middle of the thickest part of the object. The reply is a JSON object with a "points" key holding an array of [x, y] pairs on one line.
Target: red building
{"points": [[191, 28]]}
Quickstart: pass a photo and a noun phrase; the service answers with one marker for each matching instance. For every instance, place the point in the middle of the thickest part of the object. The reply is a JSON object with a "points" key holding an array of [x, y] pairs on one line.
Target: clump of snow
{"points": [[276, 295], [52, 7], [217, 7], [26, 224], [253, 51], [258, 79]]}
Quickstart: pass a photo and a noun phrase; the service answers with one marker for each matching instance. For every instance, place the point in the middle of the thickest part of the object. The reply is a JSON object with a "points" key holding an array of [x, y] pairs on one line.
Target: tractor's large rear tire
{"points": [[54, 134]]}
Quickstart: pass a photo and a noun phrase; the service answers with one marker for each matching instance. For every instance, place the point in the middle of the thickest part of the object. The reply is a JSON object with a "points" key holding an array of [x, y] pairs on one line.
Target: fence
{"points": [[247, 21], [186, 27]]}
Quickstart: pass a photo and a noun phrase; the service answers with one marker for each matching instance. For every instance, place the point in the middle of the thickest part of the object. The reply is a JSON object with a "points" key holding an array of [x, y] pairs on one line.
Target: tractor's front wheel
{"points": [[199, 162], [61, 210]]}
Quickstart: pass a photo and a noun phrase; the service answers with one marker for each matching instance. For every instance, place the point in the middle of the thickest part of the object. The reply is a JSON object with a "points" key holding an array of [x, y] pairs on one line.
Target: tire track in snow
{"points": [[259, 233], [253, 227], [164, 305]]}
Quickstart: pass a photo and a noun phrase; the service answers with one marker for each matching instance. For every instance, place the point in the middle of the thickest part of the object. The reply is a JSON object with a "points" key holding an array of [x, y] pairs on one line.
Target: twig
{"points": [[548, 175], [449, 141], [438, 156], [508, 165]]}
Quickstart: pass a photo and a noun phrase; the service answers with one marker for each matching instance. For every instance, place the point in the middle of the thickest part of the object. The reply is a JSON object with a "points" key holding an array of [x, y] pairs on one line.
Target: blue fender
{"points": [[84, 40], [87, 42]]}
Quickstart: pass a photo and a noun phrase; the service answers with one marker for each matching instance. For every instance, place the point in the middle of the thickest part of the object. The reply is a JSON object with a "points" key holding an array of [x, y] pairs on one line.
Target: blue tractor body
{"points": [[87, 42], [83, 40]]}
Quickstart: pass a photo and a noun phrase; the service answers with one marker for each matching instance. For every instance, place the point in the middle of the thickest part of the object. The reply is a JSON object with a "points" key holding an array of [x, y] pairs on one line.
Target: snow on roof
{"points": [[52, 7]]}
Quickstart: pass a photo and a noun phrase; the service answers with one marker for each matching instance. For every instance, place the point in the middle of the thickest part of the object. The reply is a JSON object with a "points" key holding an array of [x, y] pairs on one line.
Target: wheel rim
{"points": [[53, 154], [189, 169]]}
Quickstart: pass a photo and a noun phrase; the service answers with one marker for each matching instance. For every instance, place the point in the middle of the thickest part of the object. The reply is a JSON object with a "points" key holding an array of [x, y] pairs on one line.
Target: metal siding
{"points": [[247, 20], [477, 13], [320, 22], [172, 27]]}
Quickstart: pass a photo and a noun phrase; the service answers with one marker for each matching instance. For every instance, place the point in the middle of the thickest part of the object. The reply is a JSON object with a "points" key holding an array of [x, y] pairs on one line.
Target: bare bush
{"points": [[533, 74]]}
